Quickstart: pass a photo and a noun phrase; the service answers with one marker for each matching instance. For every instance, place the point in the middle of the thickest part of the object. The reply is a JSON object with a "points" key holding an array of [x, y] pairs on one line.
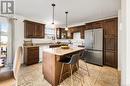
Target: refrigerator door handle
{"points": [[92, 39]]}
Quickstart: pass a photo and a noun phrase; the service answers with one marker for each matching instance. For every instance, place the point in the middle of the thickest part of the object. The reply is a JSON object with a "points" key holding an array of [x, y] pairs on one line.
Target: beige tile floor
{"points": [[99, 76]]}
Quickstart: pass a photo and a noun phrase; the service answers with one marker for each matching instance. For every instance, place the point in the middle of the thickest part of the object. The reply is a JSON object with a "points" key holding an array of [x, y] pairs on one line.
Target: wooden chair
{"points": [[9, 78]]}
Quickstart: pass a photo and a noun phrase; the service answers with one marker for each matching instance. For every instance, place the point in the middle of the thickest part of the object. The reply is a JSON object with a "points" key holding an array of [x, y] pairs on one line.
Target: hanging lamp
{"points": [[53, 5], [66, 28]]}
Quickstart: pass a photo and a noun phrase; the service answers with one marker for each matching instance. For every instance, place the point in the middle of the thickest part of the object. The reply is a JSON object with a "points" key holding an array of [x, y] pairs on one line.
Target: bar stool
{"points": [[69, 61]]}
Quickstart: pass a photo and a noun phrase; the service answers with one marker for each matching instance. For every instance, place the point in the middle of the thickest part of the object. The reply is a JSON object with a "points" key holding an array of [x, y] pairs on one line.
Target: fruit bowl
{"points": [[65, 47]]}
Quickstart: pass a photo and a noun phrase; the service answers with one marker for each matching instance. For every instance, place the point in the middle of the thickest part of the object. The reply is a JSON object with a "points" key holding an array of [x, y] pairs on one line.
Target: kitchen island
{"points": [[52, 66]]}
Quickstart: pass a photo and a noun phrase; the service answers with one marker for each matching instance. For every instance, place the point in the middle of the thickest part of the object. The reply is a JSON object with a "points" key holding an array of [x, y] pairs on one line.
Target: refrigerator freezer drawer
{"points": [[95, 57]]}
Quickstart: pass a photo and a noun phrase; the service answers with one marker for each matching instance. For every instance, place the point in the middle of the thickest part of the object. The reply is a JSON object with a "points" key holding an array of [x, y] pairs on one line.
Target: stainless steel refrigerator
{"points": [[94, 46]]}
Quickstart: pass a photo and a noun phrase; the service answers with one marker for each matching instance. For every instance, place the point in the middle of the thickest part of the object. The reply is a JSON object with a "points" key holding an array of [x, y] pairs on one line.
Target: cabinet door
{"points": [[97, 24], [110, 42], [29, 30], [110, 27], [82, 33], [110, 54], [58, 33], [110, 58], [89, 26], [33, 55], [63, 33], [39, 31]]}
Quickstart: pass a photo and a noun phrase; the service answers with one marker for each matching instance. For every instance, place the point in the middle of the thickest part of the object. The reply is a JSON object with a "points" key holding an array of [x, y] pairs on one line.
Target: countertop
{"points": [[31, 46], [61, 52]]}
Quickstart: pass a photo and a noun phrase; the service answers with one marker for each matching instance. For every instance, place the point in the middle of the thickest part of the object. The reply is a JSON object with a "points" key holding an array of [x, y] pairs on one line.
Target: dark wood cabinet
{"points": [[110, 27], [31, 55], [33, 29], [76, 29], [110, 58], [30, 29], [97, 24], [110, 42], [110, 37], [61, 33], [58, 33], [88, 26]]}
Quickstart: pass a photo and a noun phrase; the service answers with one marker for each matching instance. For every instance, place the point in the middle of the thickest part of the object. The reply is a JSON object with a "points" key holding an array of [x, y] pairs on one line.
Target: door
{"points": [[89, 39], [39, 30], [30, 29], [98, 39], [94, 57]]}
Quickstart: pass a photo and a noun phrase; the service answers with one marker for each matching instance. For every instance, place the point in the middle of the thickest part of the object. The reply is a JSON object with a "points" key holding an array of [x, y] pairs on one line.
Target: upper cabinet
{"points": [[110, 27], [94, 25], [61, 33], [33, 29], [76, 29]]}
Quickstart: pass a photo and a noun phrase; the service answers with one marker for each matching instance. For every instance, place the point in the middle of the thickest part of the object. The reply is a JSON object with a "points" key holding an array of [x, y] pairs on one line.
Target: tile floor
{"points": [[99, 76]]}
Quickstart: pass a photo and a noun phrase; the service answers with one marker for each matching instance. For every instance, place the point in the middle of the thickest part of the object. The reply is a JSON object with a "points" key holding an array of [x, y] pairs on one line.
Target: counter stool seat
{"points": [[65, 60]]}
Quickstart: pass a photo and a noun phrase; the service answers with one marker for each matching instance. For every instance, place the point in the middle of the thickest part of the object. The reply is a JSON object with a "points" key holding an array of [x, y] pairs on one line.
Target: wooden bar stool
{"points": [[69, 61]]}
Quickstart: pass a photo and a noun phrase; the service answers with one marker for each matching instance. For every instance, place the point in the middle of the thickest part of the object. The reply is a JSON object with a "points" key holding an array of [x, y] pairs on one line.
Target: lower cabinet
{"points": [[110, 58], [31, 55]]}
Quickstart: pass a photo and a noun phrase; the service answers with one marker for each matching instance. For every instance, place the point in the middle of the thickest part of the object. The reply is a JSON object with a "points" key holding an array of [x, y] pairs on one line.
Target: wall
{"points": [[128, 42], [124, 45]]}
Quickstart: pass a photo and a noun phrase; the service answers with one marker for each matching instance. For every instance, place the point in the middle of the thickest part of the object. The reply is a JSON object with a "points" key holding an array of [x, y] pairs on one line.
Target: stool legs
{"points": [[78, 77], [71, 70], [62, 68], [87, 69]]}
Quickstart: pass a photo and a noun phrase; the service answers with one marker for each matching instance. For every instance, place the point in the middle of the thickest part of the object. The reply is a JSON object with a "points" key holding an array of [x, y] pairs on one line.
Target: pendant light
{"points": [[66, 28], [53, 5]]}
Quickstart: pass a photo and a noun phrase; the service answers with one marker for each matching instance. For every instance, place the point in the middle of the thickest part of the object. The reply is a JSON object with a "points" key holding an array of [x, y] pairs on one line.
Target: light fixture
{"points": [[53, 5], [66, 28]]}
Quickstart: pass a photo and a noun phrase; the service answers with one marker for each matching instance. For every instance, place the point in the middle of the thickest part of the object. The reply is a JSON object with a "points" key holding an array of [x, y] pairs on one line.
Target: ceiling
{"points": [[79, 10]]}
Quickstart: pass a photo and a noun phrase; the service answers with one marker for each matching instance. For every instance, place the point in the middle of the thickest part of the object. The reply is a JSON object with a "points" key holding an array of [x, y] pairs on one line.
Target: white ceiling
{"points": [[79, 10]]}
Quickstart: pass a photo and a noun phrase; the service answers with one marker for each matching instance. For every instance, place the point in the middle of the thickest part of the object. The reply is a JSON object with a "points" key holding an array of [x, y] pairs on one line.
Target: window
{"points": [[3, 39], [76, 39], [6, 45], [49, 33], [76, 35]]}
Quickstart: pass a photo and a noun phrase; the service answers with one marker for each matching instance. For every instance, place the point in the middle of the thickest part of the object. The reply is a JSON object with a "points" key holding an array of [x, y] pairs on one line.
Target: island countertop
{"points": [[60, 52]]}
